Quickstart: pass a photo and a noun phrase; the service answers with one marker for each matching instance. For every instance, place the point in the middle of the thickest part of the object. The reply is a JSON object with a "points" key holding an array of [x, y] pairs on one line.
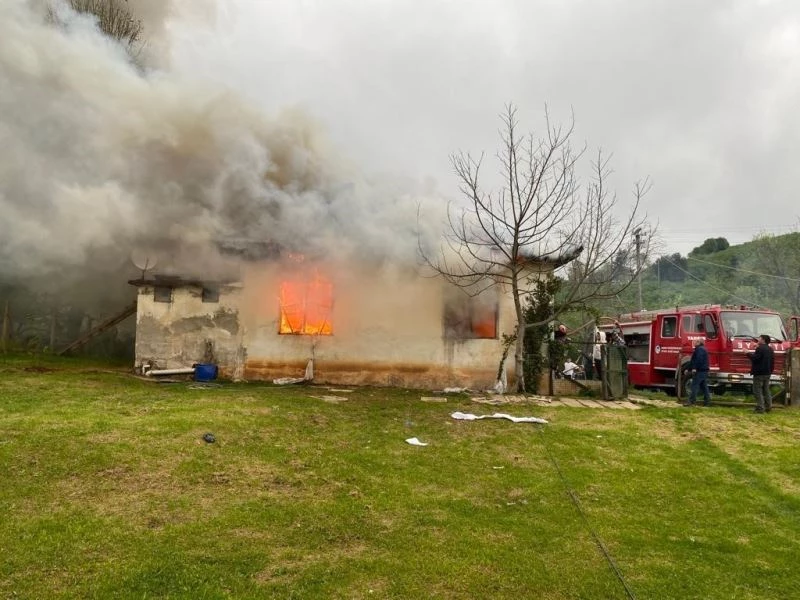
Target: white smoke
{"points": [[99, 156]]}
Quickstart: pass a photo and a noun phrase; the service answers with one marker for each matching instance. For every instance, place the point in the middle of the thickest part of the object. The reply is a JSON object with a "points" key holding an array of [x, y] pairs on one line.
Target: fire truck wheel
{"points": [[686, 386], [685, 381]]}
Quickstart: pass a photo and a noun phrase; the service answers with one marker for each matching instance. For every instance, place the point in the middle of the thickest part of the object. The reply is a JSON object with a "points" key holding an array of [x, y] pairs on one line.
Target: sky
{"points": [[265, 120], [701, 97]]}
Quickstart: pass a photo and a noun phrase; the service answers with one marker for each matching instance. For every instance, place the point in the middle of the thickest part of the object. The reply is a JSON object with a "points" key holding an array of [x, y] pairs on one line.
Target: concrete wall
{"points": [[177, 334], [387, 330]]}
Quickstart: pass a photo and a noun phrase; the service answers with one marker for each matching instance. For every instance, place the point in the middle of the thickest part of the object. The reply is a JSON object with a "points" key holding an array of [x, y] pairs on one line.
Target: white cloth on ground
{"points": [[415, 442], [470, 417]]}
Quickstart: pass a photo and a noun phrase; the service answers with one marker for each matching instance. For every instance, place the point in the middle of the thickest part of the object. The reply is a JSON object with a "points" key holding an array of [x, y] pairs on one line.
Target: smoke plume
{"points": [[100, 156]]}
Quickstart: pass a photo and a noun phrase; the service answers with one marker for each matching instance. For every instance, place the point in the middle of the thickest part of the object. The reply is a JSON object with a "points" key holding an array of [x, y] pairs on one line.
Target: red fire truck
{"points": [[660, 342]]}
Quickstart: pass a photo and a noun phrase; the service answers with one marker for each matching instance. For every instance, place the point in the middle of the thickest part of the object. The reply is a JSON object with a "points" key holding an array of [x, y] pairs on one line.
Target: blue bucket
{"points": [[205, 372]]}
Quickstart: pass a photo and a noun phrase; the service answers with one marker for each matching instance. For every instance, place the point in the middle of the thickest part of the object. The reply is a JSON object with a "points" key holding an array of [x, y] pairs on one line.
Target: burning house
{"points": [[350, 323], [161, 161]]}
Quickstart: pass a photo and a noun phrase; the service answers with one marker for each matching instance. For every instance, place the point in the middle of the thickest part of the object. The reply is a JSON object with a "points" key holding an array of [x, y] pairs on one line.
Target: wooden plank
{"points": [[610, 404], [571, 402], [103, 326], [590, 403], [628, 405]]}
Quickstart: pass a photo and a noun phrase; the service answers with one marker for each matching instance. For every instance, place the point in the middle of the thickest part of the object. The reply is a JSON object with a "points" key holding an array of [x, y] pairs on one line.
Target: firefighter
{"points": [[617, 338], [763, 360], [699, 369]]}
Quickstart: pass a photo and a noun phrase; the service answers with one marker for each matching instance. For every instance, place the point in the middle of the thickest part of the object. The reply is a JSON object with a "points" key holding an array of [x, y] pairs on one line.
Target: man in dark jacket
{"points": [[699, 367], [762, 360]]}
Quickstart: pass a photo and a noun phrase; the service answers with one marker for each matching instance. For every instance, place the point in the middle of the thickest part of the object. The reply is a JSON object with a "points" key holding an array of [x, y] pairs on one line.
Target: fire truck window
{"points": [[710, 326], [306, 306], [669, 326], [692, 324], [638, 345]]}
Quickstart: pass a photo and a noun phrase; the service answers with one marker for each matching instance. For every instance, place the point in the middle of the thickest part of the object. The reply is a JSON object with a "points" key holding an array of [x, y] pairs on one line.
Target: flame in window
{"points": [[484, 322], [468, 317], [306, 306]]}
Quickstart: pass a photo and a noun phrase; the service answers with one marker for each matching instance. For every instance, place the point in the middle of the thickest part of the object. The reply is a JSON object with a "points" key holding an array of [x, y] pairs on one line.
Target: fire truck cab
{"points": [[659, 343]]}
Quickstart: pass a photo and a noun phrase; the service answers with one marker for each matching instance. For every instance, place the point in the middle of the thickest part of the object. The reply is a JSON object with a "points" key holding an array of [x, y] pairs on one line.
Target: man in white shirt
{"points": [[571, 369]]}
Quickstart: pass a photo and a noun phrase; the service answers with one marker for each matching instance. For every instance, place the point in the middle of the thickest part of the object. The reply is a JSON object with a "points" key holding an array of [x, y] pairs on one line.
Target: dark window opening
{"points": [[638, 347], [669, 327], [162, 293], [471, 317], [211, 294]]}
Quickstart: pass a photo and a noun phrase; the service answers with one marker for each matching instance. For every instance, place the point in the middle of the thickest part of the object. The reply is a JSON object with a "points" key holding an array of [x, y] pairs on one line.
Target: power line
{"points": [[577, 503], [703, 230], [711, 286], [743, 270]]}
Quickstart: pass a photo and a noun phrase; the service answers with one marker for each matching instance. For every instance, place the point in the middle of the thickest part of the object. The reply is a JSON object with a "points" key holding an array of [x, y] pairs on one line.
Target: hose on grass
{"points": [[598, 540]]}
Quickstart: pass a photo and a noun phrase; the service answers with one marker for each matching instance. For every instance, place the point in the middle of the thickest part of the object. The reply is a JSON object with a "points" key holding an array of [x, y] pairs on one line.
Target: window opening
{"points": [[210, 294], [162, 293], [306, 306], [471, 317]]}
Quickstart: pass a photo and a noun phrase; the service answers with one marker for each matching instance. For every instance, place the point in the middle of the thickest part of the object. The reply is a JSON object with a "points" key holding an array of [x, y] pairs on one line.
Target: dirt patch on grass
{"points": [[33, 369], [595, 420], [152, 496], [287, 566]]}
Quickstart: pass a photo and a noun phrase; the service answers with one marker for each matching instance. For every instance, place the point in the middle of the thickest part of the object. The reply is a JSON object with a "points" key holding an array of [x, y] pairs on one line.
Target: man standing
{"points": [[597, 352], [571, 369], [617, 338], [762, 360], [699, 369]]}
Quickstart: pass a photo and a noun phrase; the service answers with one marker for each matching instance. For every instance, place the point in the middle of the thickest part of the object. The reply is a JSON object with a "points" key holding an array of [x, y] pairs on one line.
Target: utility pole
{"points": [[637, 234]]}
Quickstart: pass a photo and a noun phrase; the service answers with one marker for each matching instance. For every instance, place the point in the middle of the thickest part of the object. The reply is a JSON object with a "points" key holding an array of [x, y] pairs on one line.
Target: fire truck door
{"points": [[667, 342]]}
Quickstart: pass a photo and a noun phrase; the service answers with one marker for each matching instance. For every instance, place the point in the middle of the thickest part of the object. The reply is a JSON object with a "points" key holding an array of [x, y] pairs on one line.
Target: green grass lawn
{"points": [[109, 491]]}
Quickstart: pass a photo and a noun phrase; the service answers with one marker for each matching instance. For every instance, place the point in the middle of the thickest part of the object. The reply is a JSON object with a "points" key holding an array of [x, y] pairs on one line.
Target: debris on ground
{"points": [[209, 438], [331, 399], [470, 417], [289, 380], [498, 399], [415, 442], [307, 377]]}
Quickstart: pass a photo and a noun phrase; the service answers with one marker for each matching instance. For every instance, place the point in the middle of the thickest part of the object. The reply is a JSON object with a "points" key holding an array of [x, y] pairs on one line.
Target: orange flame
{"points": [[306, 306]]}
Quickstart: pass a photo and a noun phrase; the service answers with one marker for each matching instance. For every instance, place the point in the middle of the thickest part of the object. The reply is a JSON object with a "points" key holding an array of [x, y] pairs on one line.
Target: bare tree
{"points": [[114, 18], [539, 219]]}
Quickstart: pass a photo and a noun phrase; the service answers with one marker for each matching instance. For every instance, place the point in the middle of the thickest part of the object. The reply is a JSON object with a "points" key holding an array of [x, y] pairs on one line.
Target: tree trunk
{"points": [[519, 357]]}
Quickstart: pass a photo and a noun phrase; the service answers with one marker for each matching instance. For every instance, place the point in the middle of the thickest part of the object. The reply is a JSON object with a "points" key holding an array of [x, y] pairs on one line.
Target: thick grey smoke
{"points": [[99, 157]]}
